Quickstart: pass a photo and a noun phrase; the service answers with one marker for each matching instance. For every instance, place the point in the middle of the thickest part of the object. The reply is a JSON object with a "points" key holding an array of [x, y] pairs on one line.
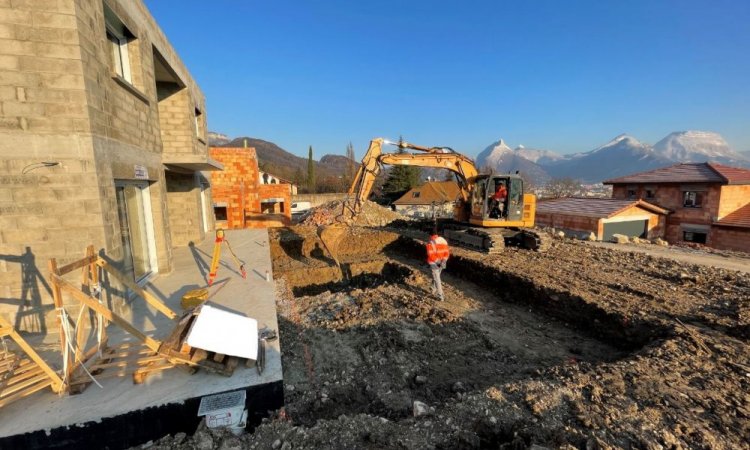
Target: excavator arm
{"points": [[433, 157], [372, 163]]}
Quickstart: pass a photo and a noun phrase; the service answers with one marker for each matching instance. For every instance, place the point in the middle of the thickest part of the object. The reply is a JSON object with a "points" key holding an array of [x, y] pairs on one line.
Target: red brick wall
{"points": [[727, 238], [236, 185], [573, 223], [670, 196], [733, 198]]}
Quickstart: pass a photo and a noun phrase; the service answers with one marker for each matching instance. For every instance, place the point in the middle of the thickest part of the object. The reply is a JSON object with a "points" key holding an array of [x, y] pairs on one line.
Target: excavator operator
{"points": [[497, 203]]}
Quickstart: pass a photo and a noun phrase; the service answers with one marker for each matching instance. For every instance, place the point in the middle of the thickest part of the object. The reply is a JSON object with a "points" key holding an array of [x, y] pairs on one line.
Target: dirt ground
{"points": [[704, 256], [580, 347]]}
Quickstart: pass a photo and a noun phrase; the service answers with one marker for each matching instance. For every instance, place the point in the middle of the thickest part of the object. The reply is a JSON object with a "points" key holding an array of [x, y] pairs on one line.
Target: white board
{"points": [[225, 332]]}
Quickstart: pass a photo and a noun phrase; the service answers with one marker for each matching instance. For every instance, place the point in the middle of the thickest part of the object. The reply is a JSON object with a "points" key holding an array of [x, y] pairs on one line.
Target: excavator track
{"points": [[536, 240], [492, 240]]}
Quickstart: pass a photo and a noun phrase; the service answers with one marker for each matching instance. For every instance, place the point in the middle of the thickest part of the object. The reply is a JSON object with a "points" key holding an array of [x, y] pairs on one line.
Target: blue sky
{"points": [[562, 75]]}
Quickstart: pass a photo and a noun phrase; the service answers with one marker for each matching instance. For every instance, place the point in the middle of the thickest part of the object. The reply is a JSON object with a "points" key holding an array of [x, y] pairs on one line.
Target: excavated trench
{"points": [[367, 337]]}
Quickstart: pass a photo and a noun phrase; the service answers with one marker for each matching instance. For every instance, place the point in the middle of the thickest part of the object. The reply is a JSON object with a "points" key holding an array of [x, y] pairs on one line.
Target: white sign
{"points": [[141, 172], [225, 332]]}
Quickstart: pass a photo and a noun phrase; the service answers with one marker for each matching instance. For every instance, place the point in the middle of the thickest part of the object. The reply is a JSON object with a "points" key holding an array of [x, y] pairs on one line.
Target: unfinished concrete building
{"points": [[102, 140]]}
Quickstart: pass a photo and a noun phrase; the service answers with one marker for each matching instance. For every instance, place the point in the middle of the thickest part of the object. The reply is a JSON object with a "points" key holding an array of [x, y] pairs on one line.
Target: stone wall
{"points": [[318, 199]]}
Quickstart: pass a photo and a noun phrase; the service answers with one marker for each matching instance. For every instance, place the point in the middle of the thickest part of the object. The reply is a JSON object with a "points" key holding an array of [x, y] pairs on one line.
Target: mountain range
{"points": [[621, 156], [280, 162]]}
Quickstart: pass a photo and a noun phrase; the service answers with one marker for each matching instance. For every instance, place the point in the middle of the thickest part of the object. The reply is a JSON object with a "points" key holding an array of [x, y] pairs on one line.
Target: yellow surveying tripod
{"points": [[217, 254]]}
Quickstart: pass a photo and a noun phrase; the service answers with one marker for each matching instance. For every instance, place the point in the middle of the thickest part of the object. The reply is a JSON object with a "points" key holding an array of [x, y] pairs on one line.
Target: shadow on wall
{"points": [[30, 316]]}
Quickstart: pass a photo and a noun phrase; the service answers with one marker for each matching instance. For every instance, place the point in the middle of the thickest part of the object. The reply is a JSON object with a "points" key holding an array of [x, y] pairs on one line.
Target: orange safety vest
{"points": [[437, 249]]}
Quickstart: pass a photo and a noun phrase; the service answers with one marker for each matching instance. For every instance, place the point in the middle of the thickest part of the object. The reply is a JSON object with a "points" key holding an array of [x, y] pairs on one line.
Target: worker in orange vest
{"points": [[437, 257]]}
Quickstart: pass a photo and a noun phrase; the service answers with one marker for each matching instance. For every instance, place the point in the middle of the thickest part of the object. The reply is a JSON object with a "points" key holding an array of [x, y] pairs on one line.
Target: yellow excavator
{"points": [[478, 221]]}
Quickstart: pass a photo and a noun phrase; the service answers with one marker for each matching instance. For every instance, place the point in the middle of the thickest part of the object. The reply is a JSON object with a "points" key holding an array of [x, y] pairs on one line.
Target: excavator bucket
{"points": [[331, 236]]}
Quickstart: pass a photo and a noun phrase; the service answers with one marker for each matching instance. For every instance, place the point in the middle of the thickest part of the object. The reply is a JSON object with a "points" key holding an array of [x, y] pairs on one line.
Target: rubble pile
{"points": [[329, 213]]}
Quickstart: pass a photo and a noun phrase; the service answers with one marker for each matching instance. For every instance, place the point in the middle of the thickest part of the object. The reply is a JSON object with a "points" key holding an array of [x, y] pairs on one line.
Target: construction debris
{"points": [[329, 213]]}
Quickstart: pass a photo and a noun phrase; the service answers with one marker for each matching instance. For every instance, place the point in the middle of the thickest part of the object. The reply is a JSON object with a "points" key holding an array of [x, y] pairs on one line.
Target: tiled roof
{"points": [[432, 191], [739, 218], [733, 175], [678, 173], [602, 208]]}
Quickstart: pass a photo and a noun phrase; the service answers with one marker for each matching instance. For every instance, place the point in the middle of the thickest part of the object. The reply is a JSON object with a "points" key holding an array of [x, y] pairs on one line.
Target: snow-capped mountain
{"points": [[538, 156], [697, 146], [620, 156], [499, 157]]}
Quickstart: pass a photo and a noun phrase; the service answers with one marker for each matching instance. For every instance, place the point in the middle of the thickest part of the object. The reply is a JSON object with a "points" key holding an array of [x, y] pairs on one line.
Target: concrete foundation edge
{"points": [[137, 427]]}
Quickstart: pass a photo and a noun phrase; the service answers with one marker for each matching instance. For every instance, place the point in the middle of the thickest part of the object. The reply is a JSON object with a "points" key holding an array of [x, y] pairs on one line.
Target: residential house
{"points": [[710, 202], [602, 216], [102, 141], [268, 178], [433, 197], [243, 196]]}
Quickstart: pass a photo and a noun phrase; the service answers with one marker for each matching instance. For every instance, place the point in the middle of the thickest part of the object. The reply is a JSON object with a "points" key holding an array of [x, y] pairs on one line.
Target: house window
{"points": [[415, 194], [220, 212], [650, 193], [692, 199], [694, 236], [198, 123], [631, 194], [119, 38]]}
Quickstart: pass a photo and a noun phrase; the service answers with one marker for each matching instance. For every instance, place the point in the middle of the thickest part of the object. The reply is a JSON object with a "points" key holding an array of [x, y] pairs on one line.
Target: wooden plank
{"points": [[150, 299], [108, 314], [77, 264], [58, 302], [126, 363], [218, 357], [17, 378], [30, 382], [56, 380], [7, 400]]}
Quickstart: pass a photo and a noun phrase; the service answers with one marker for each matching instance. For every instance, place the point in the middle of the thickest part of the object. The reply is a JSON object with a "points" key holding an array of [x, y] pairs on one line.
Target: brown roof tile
{"points": [[678, 173], [739, 218], [733, 175], [432, 191], [593, 207]]}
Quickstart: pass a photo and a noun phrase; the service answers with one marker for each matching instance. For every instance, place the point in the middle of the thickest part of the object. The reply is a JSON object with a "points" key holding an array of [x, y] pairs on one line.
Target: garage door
{"points": [[629, 228]]}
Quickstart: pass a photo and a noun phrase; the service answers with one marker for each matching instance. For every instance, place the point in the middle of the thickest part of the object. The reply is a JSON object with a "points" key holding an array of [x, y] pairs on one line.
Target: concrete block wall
{"points": [[59, 102], [184, 204], [45, 212], [176, 119]]}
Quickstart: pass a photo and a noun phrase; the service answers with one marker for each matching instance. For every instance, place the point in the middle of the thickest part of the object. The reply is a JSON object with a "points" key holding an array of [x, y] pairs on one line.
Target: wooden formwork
{"points": [[141, 358], [22, 372]]}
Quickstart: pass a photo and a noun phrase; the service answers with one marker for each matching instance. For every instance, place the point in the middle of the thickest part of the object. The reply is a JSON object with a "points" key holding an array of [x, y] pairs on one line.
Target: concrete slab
{"points": [[253, 297]]}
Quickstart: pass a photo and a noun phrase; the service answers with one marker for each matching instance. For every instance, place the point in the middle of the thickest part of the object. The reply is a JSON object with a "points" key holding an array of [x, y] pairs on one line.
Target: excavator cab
{"points": [[487, 210]]}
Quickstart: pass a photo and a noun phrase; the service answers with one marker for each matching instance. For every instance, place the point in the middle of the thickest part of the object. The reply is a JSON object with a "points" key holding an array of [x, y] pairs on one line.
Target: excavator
{"points": [[478, 222]]}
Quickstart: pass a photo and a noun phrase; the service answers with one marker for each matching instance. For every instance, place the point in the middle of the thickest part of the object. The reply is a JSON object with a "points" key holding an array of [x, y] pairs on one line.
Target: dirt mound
{"points": [[372, 214]]}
